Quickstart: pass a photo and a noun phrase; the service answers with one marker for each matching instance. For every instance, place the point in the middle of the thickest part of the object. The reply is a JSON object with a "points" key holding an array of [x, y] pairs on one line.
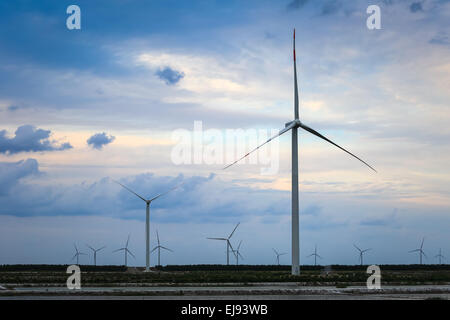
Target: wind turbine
{"points": [[237, 253], [315, 255], [126, 251], [440, 256], [278, 255], [361, 253], [77, 253], [147, 220], [420, 251], [159, 247], [95, 252], [294, 126], [228, 243]]}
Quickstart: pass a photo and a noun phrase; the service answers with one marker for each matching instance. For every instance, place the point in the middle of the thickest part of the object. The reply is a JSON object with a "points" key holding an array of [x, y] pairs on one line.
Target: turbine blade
{"points": [[101, 248], [119, 250], [157, 235], [234, 230], [130, 190], [131, 253], [166, 249], [414, 250], [356, 247], [296, 113], [154, 249], [421, 245], [275, 136], [314, 132], [275, 251], [128, 240], [310, 255], [239, 245], [90, 247], [223, 239], [162, 194]]}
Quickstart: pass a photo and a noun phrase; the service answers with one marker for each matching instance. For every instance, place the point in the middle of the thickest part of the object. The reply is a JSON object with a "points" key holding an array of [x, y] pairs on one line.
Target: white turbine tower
{"points": [[278, 255], [147, 220], [237, 253], [95, 252], [159, 247], [361, 253], [420, 251], [228, 243], [126, 251], [294, 125], [440, 256], [315, 255], [77, 254]]}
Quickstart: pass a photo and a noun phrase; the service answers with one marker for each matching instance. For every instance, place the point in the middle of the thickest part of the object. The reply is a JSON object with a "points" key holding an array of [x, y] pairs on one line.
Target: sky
{"points": [[84, 107]]}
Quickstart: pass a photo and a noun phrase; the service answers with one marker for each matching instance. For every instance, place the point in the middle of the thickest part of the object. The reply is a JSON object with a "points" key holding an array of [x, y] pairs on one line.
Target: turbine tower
{"points": [[126, 251], [420, 251], [159, 247], [228, 243], [315, 256], [147, 220], [361, 253], [95, 252], [237, 253], [440, 256], [77, 253], [278, 255], [294, 125]]}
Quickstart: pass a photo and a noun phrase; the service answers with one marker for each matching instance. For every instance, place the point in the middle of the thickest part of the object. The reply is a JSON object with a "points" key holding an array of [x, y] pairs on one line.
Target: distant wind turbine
{"points": [[77, 253], [126, 251], [95, 252], [278, 255], [147, 220], [315, 255], [294, 126], [361, 253], [420, 251], [237, 253], [440, 256], [159, 247], [228, 243]]}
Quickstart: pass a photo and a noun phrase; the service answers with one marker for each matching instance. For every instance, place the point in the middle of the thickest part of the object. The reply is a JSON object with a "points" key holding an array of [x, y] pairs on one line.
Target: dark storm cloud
{"points": [[169, 76], [28, 138], [296, 4], [98, 140], [331, 7], [415, 7], [12, 172], [13, 108]]}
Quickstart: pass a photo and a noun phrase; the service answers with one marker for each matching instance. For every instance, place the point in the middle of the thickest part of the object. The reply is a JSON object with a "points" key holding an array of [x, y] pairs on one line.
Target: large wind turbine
{"points": [[294, 125], [147, 221], [315, 255], [237, 253], [228, 243], [77, 253], [361, 253], [278, 255], [159, 247], [95, 252], [420, 251], [126, 251], [440, 256]]}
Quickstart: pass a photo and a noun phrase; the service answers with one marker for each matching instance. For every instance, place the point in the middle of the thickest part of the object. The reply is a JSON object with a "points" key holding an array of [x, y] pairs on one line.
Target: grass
{"points": [[177, 275]]}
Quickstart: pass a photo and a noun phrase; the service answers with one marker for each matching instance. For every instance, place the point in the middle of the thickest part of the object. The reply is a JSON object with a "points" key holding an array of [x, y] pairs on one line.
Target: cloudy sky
{"points": [[79, 108]]}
